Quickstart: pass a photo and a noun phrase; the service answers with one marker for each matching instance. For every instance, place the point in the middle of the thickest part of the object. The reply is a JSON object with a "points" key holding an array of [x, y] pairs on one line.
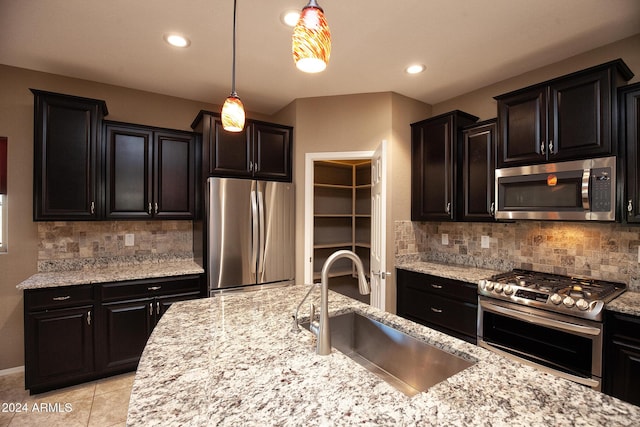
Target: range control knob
{"points": [[582, 304], [489, 285], [569, 302], [556, 299], [498, 287], [482, 283], [508, 289]]}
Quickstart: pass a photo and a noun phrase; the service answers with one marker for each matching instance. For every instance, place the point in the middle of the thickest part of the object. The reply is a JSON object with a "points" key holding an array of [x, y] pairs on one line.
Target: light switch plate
{"points": [[484, 242], [445, 239], [129, 239]]}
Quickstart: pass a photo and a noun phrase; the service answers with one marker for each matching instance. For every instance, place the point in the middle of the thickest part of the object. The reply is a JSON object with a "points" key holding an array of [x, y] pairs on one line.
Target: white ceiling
{"points": [[465, 44]]}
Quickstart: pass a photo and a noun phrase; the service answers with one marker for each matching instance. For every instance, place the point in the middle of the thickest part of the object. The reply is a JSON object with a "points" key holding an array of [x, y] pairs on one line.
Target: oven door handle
{"points": [[589, 382], [537, 320]]}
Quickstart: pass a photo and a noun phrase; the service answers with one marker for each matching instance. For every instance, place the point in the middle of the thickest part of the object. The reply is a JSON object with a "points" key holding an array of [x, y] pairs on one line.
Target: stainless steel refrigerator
{"points": [[250, 233]]}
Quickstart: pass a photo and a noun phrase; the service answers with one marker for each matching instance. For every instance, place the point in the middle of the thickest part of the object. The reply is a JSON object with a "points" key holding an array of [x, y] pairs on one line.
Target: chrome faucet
{"points": [[321, 328]]}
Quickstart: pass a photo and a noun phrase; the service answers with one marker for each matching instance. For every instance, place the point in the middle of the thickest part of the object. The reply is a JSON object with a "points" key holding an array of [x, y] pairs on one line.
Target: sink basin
{"points": [[408, 364]]}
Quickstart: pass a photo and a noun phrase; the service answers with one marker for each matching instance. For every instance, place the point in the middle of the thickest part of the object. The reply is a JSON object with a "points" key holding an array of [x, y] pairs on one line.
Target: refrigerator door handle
{"points": [[254, 231], [261, 246]]}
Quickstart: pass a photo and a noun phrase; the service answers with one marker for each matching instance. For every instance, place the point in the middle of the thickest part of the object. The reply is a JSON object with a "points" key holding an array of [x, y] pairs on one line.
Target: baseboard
{"points": [[10, 371]]}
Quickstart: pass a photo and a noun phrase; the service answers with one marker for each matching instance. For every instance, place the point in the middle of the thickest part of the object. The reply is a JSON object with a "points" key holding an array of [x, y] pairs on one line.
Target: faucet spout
{"points": [[322, 331]]}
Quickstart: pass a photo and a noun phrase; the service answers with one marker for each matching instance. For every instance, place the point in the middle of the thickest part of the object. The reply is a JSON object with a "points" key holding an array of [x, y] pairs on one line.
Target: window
{"points": [[3, 220], [3, 194]]}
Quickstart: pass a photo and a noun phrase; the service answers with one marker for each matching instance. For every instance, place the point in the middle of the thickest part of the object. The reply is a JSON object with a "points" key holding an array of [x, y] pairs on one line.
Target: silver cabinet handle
{"points": [[630, 206], [434, 286], [436, 310], [154, 288], [449, 208], [542, 150], [492, 209], [158, 308], [93, 208], [64, 298], [89, 318], [155, 206], [551, 146], [149, 208], [150, 309]]}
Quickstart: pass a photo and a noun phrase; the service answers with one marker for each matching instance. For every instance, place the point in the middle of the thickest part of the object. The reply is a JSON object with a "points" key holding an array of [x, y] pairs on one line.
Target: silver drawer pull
{"points": [[89, 318], [436, 286], [154, 288], [158, 307], [436, 310], [64, 298]]}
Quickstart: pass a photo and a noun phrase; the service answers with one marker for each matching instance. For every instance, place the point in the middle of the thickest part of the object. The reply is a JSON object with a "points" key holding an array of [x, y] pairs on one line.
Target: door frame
{"points": [[310, 158]]}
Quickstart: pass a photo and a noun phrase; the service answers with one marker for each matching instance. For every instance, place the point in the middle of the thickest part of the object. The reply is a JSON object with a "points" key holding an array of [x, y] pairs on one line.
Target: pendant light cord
{"points": [[233, 65]]}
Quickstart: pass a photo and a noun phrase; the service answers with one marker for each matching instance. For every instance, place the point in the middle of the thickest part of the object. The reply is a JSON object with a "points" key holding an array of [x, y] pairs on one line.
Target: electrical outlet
{"points": [[129, 239], [484, 242], [445, 239]]}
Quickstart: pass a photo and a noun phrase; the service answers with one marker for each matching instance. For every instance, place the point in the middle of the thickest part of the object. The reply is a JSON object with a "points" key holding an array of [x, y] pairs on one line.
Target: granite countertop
{"points": [[628, 302], [234, 359], [463, 273], [114, 273]]}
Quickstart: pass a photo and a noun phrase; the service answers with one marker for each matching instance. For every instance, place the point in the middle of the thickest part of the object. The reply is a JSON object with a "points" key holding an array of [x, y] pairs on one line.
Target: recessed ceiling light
{"points": [[290, 17], [177, 40], [415, 69]]}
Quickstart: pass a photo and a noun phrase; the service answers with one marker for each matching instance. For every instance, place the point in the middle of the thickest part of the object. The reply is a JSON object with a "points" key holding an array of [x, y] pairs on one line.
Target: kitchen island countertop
{"points": [[235, 359]]}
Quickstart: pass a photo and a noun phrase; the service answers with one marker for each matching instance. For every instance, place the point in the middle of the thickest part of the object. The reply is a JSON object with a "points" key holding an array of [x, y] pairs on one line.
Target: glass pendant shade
{"points": [[311, 41], [232, 114]]}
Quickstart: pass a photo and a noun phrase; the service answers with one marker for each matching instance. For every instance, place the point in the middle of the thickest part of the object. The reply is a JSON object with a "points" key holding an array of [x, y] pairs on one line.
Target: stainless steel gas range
{"points": [[550, 321]]}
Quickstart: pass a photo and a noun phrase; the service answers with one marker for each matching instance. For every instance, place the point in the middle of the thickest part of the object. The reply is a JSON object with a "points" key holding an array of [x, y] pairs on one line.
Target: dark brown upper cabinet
{"points": [[570, 117], [478, 171], [150, 172], [436, 166], [67, 166], [261, 151], [630, 135]]}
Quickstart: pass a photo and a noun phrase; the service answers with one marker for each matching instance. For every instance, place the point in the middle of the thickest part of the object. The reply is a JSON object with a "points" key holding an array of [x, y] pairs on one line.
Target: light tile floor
{"points": [[102, 403]]}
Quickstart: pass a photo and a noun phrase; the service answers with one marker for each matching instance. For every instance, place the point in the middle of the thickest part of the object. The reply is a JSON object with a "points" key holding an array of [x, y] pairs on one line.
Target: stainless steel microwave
{"points": [[581, 190]]}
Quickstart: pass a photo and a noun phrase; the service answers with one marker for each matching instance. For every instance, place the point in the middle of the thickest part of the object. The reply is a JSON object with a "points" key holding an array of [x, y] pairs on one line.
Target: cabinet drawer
{"points": [[439, 286], [455, 315], [149, 287], [58, 297]]}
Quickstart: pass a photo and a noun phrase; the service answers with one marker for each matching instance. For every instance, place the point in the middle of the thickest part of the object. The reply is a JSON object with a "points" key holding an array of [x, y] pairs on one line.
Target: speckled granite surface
{"points": [[463, 273], [234, 360], [628, 303], [111, 273]]}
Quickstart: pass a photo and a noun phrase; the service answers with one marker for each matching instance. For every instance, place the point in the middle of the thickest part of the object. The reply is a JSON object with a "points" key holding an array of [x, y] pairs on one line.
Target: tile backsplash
{"points": [[597, 250], [82, 244]]}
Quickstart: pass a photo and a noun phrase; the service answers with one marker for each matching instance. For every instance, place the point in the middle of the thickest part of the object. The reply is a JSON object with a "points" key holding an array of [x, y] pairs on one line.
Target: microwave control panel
{"points": [[601, 189]]}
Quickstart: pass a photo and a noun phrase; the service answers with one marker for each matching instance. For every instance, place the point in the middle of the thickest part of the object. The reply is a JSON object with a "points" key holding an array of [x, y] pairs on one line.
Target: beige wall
{"points": [[481, 103], [16, 122], [341, 123]]}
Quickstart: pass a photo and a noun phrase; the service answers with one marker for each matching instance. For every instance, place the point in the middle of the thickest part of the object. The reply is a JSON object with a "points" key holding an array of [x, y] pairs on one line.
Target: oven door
{"points": [[568, 347]]}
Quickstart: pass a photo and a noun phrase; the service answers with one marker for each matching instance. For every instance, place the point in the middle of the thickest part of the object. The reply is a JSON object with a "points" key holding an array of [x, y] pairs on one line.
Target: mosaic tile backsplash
{"points": [[91, 244], [600, 251]]}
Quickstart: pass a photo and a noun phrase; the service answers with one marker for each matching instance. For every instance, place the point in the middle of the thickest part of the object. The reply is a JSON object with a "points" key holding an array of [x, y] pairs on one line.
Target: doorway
{"points": [[338, 215]]}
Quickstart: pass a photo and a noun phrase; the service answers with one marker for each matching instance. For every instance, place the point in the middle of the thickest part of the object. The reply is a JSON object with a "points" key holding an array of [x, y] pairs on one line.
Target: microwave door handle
{"points": [[586, 175]]}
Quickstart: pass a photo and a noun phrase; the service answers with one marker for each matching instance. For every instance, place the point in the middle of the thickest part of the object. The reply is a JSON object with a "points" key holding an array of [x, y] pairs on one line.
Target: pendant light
{"points": [[233, 111], [311, 41]]}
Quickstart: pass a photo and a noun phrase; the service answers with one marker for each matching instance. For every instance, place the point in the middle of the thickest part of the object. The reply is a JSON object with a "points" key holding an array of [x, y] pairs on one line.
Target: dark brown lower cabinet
{"points": [[79, 333], [130, 311], [622, 357], [447, 305], [60, 347]]}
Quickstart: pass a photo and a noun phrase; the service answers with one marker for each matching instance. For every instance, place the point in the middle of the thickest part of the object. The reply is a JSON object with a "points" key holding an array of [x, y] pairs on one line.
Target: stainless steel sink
{"points": [[408, 364]]}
